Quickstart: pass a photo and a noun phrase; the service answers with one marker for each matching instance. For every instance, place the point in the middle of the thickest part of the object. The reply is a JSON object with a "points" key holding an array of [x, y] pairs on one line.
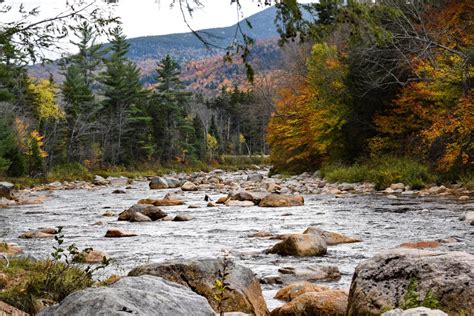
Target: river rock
{"points": [[327, 302], [469, 217], [6, 190], [4, 202], [8, 310], [144, 296], [239, 203], [464, 198], [10, 249], [419, 311], [254, 197], [293, 290], [157, 183], [189, 186], [118, 233], [118, 181], [421, 244], [255, 177], [118, 192], [381, 281], [243, 295], [182, 218], [153, 212], [300, 245], [311, 273], [98, 180], [39, 233], [91, 256], [222, 200], [173, 182], [139, 217], [261, 234], [162, 202], [331, 238], [397, 186], [280, 200]]}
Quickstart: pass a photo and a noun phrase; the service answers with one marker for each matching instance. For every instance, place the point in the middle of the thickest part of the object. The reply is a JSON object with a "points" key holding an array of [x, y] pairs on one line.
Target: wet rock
{"points": [[294, 290], [243, 295], [392, 197], [153, 212], [382, 280], [139, 217], [4, 203], [108, 213], [118, 233], [182, 218], [39, 233], [118, 192], [419, 311], [397, 186], [194, 206], [239, 203], [469, 217], [255, 177], [98, 223], [421, 244], [271, 279], [331, 238], [222, 200], [310, 273], [144, 295], [261, 234], [157, 183], [162, 202], [464, 198], [91, 256], [98, 180], [189, 186], [327, 302], [118, 181], [300, 245], [277, 200], [254, 197], [6, 190], [167, 218], [173, 182], [211, 204]]}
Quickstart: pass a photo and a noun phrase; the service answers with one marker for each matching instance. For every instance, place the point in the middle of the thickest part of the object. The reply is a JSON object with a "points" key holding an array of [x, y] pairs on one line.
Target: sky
{"points": [[154, 17]]}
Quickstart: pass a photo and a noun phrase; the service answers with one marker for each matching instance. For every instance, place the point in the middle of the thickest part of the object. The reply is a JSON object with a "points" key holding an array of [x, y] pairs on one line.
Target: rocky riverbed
{"points": [[381, 220]]}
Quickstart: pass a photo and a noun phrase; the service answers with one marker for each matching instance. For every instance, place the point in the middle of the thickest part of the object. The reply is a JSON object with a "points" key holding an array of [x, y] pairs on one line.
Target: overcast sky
{"points": [[155, 17]]}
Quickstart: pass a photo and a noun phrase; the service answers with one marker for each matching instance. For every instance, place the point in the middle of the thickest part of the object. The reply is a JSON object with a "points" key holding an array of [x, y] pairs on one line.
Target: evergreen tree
{"points": [[168, 109], [125, 118]]}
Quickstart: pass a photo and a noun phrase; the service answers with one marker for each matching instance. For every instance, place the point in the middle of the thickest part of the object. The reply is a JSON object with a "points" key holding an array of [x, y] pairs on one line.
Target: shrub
{"points": [[69, 172]]}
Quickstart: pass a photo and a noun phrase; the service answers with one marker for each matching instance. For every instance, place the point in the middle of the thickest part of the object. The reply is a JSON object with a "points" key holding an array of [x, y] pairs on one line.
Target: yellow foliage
{"points": [[45, 100]]}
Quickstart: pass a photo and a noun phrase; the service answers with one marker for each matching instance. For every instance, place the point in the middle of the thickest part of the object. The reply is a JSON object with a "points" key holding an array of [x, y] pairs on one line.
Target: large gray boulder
{"points": [[152, 212], [6, 190], [244, 293], [381, 282], [157, 183], [144, 296], [173, 182]]}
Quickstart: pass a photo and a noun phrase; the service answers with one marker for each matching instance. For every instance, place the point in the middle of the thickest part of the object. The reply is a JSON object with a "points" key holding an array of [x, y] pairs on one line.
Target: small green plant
{"points": [[412, 299], [37, 283], [221, 285]]}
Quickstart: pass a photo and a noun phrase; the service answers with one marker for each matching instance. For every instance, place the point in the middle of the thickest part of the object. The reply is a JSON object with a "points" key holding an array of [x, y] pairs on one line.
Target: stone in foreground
{"points": [[381, 281], [300, 245], [419, 311], [280, 200], [144, 296], [244, 294]]}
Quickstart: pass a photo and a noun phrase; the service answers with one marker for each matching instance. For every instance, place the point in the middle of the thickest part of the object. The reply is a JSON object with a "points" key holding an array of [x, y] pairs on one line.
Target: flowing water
{"points": [[380, 222]]}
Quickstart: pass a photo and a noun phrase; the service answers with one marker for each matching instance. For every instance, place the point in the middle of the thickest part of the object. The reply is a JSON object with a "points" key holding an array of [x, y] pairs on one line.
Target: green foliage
{"points": [[69, 172], [36, 283], [12, 160], [412, 299], [221, 284], [382, 172]]}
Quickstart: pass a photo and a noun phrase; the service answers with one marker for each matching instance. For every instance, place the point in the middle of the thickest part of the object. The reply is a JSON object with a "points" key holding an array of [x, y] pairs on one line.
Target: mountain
{"points": [[186, 46]]}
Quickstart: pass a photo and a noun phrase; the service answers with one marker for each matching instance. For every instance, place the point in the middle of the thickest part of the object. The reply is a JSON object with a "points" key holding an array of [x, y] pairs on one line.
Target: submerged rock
{"points": [[152, 212], [39, 233], [300, 245], [118, 233], [182, 218], [382, 281], [91, 256], [162, 202], [421, 244], [244, 293], [157, 183], [331, 238], [144, 296], [280, 200]]}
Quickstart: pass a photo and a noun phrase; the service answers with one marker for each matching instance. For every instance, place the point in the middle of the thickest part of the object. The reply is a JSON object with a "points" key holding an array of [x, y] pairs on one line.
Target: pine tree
{"points": [[124, 105]]}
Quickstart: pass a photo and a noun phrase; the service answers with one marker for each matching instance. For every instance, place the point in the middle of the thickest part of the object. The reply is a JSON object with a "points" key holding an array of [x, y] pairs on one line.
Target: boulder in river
{"points": [[6, 190], [239, 203], [421, 244], [281, 200], [294, 290], [118, 233], [382, 281], [243, 295], [254, 197], [256, 177], [39, 233], [173, 182], [144, 296], [182, 218], [469, 217], [153, 212], [325, 302], [331, 238], [189, 186], [311, 273], [162, 202], [300, 245], [91, 256], [118, 181], [98, 180], [157, 183]]}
